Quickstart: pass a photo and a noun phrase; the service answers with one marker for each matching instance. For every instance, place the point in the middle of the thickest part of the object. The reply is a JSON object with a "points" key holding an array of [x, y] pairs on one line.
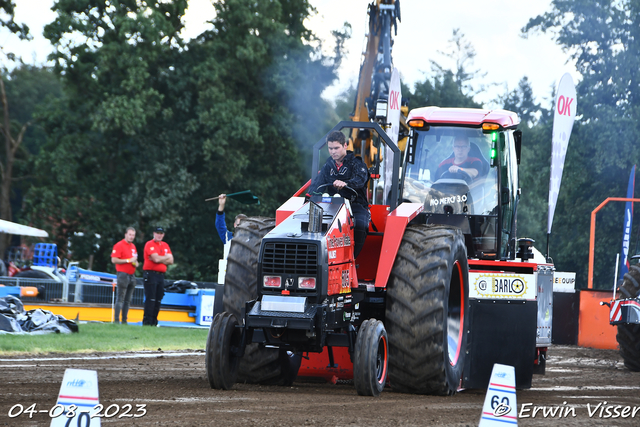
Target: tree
{"points": [[521, 101], [27, 88], [462, 53], [603, 38], [535, 125], [7, 7], [151, 125], [444, 91], [256, 82], [113, 70], [12, 142], [451, 87]]}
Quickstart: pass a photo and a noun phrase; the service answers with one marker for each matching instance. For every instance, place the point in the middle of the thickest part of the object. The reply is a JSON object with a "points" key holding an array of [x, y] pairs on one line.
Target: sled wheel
{"points": [[371, 357], [223, 348]]}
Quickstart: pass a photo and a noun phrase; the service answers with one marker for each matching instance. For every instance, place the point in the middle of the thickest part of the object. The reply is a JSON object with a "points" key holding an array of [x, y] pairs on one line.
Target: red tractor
{"points": [[441, 291]]}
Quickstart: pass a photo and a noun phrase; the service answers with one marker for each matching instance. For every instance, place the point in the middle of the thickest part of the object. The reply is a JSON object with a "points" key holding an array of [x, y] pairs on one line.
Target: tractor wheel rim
{"points": [[455, 313], [381, 360]]}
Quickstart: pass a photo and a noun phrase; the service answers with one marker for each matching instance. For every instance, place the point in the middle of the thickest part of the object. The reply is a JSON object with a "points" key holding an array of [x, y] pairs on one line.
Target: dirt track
{"points": [[176, 392]]}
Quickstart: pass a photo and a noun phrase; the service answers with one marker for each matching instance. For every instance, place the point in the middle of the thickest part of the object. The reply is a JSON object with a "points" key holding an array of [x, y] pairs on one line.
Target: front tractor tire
{"points": [[259, 364], [426, 314], [370, 358], [223, 351], [629, 334]]}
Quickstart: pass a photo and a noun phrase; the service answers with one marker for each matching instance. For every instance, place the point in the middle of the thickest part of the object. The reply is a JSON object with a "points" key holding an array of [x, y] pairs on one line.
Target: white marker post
{"points": [[79, 389], [114, 283], [500, 406]]}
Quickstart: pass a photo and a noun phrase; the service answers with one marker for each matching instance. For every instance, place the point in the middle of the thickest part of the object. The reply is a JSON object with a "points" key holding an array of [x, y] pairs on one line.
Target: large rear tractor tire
{"points": [[629, 334], [426, 314], [371, 357], [222, 353], [259, 364]]}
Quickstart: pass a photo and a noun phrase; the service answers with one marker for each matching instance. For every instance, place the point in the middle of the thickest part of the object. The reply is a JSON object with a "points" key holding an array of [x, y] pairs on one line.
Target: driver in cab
{"points": [[342, 170], [460, 163]]}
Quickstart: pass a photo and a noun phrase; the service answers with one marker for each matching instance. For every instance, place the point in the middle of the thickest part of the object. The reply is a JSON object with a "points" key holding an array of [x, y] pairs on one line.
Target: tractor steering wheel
{"points": [[457, 175], [353, 192]]}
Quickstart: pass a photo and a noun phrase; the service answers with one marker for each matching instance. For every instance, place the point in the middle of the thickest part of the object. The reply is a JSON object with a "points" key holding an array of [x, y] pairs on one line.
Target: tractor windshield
{"points": [[451, 173]]}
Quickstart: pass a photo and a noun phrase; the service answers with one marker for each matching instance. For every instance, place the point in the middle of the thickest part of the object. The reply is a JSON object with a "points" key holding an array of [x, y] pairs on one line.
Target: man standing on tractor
{"points": [[346, 174]]}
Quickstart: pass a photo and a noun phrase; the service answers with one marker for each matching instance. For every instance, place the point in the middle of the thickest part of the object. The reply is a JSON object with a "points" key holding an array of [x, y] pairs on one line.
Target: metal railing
{"points": [[52, 289], [92, 293]]}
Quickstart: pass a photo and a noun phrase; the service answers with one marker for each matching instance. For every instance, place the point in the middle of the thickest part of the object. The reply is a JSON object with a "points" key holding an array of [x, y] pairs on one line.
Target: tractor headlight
{"points": [[306, 282], [271, 281]]}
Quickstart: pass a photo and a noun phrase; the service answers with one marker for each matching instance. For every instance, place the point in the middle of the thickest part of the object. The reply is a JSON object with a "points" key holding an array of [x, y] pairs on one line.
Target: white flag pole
{"points": [[563, 118]]}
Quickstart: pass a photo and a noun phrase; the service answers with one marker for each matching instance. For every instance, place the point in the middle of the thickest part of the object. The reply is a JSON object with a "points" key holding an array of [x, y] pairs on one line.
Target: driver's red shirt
{"points": [[470, 162], [152, 247]]}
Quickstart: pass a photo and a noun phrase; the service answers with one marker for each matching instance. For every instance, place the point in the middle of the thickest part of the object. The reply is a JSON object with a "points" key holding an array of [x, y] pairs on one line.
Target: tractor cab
{"points": [[466, 175]]}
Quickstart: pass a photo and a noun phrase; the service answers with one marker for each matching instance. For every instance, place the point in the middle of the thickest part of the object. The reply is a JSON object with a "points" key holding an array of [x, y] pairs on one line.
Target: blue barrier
{"points": [[90, 276], [9, 290], [180, 300], [206, 306], [95, 287], [204, 301]]}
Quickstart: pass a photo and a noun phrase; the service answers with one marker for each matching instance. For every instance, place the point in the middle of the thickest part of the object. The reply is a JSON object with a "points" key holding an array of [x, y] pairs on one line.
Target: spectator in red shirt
{"points": [[157, 256], [125, 256]]}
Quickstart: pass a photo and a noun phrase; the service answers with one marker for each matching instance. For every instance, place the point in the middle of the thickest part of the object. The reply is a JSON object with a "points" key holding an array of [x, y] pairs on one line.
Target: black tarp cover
{"points": [[180, 286], [14, 319]]}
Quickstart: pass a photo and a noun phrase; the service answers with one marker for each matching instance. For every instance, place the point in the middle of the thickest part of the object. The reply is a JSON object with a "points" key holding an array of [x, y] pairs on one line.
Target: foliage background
{"points": [[135, 126]]}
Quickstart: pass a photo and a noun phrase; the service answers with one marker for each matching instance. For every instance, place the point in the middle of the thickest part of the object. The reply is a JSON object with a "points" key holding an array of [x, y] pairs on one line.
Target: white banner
{"points": [[565, 114], [393, 118]]}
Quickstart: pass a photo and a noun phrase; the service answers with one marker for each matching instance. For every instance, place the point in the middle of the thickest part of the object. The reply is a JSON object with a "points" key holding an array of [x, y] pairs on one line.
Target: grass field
{"points": [[105, 337]]}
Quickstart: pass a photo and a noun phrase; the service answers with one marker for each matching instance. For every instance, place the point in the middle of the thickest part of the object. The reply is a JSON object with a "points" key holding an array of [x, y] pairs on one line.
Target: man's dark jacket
{"points": [[353, 171]]}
